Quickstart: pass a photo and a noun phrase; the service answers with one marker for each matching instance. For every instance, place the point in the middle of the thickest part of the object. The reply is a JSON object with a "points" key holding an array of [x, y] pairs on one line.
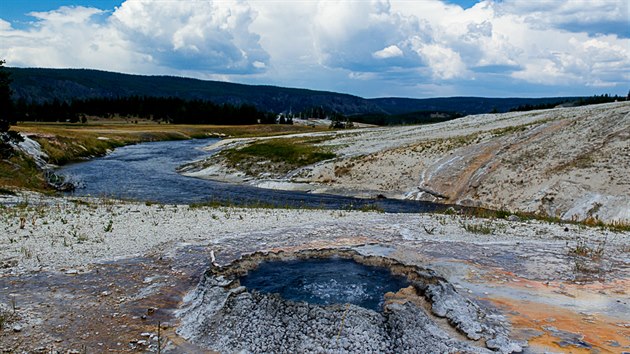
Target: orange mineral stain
{"points": [[601, 333]]}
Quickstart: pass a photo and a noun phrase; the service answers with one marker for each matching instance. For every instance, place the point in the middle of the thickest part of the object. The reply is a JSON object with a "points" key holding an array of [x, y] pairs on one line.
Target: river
{"points": [[147, 172]]}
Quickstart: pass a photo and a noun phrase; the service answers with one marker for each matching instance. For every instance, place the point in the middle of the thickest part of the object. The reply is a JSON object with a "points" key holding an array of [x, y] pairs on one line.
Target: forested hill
{"points": [[46, 85], [464, 105]]}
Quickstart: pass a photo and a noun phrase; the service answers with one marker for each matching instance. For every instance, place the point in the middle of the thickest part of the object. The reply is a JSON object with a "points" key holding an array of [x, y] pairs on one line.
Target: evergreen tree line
{"points": [[583, 101], [162, 109]]}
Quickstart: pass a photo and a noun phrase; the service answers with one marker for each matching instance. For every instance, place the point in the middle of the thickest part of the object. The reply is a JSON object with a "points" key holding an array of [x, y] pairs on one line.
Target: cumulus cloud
{"points": [[590, 16], [141, 36], [67, 37], [409, 47], [195, 35], [390, 52], [444, 62]]}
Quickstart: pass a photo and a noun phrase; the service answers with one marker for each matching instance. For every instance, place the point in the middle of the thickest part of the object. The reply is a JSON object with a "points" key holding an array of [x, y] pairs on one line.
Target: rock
{"points": [[34, 149], [513, 218], [504, 345], [17, 328], [72, 272], [65, 187]]}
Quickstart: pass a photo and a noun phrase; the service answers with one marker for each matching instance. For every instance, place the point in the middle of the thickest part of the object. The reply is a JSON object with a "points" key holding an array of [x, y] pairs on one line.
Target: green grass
{"points": [[20, 172], [482, 229], [277, 155], [616, 226], [248, 205]]}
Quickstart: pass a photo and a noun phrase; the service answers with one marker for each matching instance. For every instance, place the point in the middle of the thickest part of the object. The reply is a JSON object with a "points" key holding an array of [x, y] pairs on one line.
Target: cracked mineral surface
{"points": [[222, 315]]}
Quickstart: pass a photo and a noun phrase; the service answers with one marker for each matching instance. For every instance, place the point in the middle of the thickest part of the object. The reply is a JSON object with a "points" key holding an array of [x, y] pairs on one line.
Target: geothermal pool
{"points": [[325, 281]]}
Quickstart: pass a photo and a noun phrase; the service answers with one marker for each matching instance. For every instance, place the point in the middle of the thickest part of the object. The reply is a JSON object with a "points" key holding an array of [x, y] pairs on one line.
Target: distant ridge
{"points": [[45, 85]]}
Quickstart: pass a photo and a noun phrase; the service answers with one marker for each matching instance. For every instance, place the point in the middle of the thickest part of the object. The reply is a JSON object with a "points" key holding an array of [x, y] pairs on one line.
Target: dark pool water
{"points": [[147, 172], [325, 281]]}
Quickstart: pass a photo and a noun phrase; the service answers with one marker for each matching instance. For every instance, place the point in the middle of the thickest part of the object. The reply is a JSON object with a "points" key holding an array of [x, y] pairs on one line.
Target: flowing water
{"points": [[325, 281], [147, 172]]}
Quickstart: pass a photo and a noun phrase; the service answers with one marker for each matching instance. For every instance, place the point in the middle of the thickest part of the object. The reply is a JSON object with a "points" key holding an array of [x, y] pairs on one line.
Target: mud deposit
{"points": [[428, 316]]}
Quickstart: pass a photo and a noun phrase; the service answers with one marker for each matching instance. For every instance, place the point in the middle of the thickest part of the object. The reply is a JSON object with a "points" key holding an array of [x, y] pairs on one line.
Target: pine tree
{"points": [[6, 115]]}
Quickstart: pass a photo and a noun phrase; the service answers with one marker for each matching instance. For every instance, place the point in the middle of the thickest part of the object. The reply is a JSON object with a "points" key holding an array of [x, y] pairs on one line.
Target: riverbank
{"points": [[114, 260], [61, 143], [567, 163]]}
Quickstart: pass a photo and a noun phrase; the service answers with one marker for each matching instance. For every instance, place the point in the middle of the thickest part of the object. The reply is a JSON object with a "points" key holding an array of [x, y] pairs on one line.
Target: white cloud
{"points": [[196, 35], [206, 37], [445, 63], [339, 45], [389, 52], [66, 15], [591, 16]]}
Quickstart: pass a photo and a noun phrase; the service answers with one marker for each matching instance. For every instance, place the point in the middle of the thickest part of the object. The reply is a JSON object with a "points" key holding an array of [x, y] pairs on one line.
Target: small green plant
{"points": [[503, 214], [370, 208], [593, 251], [483, 229], [428, 230], [110, 226], [26, 252]]}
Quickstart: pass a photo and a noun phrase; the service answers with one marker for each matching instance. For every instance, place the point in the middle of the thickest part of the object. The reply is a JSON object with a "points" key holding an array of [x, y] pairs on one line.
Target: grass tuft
{"points": [[482, 229], [276, 156]]}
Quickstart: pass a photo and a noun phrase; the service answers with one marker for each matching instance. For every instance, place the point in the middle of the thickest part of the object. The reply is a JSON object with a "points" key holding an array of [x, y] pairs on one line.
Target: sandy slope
{"points": [[571, 163]]}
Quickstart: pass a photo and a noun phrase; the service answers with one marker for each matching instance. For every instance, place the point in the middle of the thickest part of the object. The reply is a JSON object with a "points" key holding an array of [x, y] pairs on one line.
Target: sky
{"points": [[380, 48]]}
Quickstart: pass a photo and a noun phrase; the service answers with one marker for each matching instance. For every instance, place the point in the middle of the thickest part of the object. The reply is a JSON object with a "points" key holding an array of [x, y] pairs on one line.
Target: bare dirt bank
{"points": [[570, 163]]}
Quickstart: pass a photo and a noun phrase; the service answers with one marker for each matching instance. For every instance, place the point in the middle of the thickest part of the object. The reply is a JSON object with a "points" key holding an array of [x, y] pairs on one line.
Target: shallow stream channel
{"points": [[147, 172]]}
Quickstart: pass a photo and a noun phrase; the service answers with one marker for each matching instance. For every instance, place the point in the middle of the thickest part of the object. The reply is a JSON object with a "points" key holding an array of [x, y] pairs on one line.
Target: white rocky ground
{"points": [[85, 271], [571, 163], [64, 233]]}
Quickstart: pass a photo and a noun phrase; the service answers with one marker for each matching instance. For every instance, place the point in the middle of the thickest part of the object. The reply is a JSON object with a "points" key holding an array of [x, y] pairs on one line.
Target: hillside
{"points": [[46, 85], [66, 84], [570, 163]]}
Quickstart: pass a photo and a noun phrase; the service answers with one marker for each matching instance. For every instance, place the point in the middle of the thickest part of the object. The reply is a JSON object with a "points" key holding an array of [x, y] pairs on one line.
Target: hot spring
{"points": [[325, 281]]}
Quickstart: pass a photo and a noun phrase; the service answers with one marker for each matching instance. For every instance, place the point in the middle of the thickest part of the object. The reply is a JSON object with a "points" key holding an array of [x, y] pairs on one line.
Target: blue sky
{"points": [[424, 48]]}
